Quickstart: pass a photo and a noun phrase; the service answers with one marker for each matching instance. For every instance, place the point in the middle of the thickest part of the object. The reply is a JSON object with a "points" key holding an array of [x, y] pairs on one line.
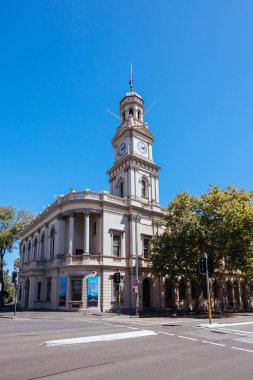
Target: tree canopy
{"points": [[12, 223], [219, 223]]}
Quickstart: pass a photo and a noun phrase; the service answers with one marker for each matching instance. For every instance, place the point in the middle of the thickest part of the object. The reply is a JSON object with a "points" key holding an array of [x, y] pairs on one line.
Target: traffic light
{"points": [[202, 265], [210, 264], [14, 277], [116, 278]]}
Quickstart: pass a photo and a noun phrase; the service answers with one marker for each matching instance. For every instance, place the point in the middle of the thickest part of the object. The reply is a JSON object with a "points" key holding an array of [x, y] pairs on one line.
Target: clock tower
{"points": [[134, 174]]}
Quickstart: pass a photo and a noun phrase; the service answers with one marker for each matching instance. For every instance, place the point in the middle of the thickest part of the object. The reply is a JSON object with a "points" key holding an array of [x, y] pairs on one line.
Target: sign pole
{"points": [[15, 305]]}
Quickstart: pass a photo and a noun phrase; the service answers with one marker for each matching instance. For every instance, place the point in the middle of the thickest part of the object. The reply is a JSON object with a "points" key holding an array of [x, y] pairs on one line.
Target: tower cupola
{"points": [[132, 106]]}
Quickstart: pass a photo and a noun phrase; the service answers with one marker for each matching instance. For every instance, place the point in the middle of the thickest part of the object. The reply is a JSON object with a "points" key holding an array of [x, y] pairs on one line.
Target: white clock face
{"points": [[121, 149], [142, 147]]}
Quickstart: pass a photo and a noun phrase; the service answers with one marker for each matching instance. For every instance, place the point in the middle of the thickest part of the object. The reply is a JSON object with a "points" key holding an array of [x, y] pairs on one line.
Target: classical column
{"points": [[59, 243], [86, 232], [71, 234], [32, 292]]}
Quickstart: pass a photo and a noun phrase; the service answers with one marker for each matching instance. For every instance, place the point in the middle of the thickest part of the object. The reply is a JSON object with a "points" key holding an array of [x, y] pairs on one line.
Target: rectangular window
{"points": [[76, 290], [116, 245], [146, 246], [38, 291], [49, 290]]}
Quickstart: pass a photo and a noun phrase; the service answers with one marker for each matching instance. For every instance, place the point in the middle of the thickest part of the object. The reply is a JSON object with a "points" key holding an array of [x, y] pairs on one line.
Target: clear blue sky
{"points": [[63, 62]]}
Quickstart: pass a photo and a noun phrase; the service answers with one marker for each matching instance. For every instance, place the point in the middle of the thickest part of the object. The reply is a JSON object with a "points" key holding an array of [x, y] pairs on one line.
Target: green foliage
{"points": [[220, 223], [9, 292], [12, 223]]}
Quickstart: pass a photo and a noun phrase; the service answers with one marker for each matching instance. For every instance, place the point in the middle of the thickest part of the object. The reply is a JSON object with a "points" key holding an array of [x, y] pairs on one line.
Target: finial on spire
{"points": [[131, 82]]}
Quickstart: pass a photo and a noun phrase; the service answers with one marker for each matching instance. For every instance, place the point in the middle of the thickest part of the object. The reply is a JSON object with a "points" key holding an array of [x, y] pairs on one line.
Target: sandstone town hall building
{"points": [[70, 252]]}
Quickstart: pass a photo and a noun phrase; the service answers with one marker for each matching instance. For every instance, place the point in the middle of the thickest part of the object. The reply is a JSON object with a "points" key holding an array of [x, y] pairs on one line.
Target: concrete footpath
{"points": [[8, 312]]}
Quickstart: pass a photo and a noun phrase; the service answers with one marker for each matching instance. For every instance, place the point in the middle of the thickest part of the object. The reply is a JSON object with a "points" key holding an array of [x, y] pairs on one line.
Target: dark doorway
{"points": [[168, 294], [146, 293]]}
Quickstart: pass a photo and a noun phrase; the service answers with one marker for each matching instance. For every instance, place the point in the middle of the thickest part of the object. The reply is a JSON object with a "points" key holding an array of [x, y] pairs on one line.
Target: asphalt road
{"points": [[179, 350]]}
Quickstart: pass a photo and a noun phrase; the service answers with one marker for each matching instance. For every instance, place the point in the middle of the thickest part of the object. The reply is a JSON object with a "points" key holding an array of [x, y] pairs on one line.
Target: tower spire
{"points": [[131, 82]]}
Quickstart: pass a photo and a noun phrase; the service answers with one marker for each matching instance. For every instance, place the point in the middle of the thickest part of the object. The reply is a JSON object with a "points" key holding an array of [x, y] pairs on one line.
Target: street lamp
{"points": [[136, 282]]}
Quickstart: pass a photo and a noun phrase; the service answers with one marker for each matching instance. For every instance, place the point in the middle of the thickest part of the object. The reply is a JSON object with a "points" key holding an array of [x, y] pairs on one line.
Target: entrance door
{"points": [[146, 293]]}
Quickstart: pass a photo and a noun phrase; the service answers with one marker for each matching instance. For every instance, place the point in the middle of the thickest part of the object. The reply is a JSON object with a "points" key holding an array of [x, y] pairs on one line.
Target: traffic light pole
{"points": [[208, 291], [15, 305]]}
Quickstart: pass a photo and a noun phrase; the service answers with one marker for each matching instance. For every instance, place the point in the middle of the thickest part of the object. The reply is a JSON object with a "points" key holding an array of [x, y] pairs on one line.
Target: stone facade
{"points": [[87, 236]]}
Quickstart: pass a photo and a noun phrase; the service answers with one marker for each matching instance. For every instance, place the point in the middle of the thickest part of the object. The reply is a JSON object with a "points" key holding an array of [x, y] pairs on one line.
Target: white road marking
{"points": [[215, 344], [132, 328], [236, 331], [99, 338], [119, 326], [241, 349], [221, 325], [186, 337], [165, 333], [236, 324], [108, 324]]}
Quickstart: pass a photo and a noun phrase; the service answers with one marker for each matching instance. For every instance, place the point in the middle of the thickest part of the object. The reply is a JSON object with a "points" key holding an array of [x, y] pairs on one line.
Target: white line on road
{"points": [[241, 349], [119, 326], [108, 324], [132, 328], [99, 338], [165, 333], [236, 331], [215, 344], [186, 337]]}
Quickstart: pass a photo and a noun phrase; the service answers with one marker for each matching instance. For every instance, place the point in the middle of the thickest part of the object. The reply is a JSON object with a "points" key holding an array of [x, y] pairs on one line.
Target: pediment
{"points": [[132, 131]]}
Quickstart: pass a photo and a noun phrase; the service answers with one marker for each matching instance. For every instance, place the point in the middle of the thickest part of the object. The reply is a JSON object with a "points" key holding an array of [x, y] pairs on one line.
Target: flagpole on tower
{"points": [[131, 78]]}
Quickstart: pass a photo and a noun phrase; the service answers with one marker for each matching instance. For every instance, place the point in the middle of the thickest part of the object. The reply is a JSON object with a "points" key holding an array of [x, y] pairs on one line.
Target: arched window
{"points": [[121, 189], [131, 112], [29, 252], [144, 190], [52, 243], [139, 115], [42, 247], [35, 249]]}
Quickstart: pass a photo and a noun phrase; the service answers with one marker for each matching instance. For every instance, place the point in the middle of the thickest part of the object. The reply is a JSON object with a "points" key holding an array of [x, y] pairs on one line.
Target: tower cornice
{"points": [[133, 161], [133, 131]]}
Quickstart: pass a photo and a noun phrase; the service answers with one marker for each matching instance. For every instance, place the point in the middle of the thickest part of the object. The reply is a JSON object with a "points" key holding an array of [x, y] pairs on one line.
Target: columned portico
{"points": [[71, 234], [86, 231], [32, 292]]}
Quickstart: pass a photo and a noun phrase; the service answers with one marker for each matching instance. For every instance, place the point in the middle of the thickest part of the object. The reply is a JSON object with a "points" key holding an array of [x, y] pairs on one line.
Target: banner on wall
{"points": [[92, 289], [62, 291]]}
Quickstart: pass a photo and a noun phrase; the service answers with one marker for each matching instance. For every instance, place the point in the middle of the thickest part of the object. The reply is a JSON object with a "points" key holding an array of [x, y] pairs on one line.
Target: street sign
{"points": [[136, 282]]}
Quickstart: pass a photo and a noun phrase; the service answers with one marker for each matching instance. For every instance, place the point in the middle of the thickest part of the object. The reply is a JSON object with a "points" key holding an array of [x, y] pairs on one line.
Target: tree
{"points": [[12, 223], [16, 264], [9, 290], [219, 223]]}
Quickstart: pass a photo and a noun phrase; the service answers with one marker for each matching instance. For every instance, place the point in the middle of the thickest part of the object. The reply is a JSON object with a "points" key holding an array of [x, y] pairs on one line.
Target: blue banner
{"points": [[62, 291], [92, 288]]}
